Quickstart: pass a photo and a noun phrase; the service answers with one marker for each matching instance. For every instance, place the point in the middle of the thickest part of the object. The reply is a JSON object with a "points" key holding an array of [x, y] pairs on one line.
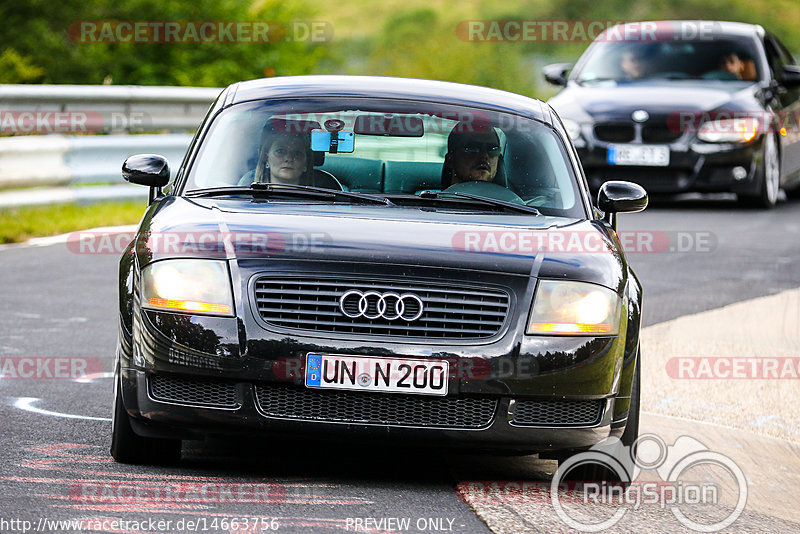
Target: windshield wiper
{"points": [[520, 208], [590, 80], [260, 188]]}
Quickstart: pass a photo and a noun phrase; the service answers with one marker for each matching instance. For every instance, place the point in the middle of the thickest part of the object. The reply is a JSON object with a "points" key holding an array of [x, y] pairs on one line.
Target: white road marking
{"points": [[93, 376], [26, 404]]}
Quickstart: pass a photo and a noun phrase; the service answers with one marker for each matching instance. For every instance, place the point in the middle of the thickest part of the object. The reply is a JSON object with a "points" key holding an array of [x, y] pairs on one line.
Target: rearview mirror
{"points": [[557, 73], [146, 169]]}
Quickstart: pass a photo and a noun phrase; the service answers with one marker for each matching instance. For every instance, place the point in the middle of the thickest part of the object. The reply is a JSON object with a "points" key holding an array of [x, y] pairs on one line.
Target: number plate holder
{"points": [[369, 373]]}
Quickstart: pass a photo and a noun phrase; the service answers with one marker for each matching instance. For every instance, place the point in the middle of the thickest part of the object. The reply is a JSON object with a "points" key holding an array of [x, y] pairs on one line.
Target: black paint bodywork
{"points": [[383, 243]]}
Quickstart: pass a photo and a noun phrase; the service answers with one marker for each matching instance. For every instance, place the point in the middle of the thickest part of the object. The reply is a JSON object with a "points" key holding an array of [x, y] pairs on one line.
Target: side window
{"points": [[784, 52]]}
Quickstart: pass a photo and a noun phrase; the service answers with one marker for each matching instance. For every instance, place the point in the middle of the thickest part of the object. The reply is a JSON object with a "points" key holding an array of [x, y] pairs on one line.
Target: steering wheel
{"points": [[485, 189]]}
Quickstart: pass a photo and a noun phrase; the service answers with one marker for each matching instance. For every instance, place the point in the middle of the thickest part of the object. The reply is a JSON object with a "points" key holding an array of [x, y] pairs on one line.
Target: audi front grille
{"points": [[375, 308]]}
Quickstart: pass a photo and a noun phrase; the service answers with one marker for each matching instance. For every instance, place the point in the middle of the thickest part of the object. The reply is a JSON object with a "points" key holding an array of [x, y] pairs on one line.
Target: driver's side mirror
{"points": [[556, 74], [146, 169], [790, 76], [620, 197]]}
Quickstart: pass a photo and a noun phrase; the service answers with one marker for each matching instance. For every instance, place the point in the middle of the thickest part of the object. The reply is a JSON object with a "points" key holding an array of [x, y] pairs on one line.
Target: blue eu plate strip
{"points": [[611, 156], [313, 369]]}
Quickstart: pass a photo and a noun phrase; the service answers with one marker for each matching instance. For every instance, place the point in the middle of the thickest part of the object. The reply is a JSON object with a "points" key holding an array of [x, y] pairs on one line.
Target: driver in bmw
{"points": [[472, 156]]}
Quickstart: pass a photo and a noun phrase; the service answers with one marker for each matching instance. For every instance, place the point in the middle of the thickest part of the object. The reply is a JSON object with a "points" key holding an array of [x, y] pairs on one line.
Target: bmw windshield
{"points": [[409, 153], [724, 59]]}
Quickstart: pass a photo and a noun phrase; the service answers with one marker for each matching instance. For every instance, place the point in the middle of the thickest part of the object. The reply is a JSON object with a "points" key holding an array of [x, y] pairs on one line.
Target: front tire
{"points": [[128, 447], [600, 472], [631, 432], [767, 195]]}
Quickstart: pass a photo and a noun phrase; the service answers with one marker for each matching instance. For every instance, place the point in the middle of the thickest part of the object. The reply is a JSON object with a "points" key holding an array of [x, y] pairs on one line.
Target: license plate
{"points": [[645, 155], [362, 373]]}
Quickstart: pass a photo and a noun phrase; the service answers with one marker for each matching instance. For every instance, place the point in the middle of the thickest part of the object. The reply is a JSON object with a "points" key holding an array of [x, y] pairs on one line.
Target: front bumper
{"points": [[172, 419], [694, 167]]}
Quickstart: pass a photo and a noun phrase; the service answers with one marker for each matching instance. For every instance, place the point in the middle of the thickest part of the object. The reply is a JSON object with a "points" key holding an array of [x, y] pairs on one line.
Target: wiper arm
{"points": [[521, 208], [261, 188]]}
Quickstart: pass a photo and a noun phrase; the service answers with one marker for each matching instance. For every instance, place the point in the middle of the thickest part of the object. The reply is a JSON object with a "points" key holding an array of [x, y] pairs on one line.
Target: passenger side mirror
{"points": [[556, 73], [790, 76], [620, 197], [146, 169]]}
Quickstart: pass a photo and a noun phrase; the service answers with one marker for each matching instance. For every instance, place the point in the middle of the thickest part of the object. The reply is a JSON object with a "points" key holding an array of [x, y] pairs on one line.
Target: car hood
{"points": [[608, 100], [237, 229]]}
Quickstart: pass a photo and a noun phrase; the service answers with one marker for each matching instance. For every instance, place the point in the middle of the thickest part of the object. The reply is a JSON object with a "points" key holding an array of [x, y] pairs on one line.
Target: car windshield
{"points": [[406, 151], [724, 59]]}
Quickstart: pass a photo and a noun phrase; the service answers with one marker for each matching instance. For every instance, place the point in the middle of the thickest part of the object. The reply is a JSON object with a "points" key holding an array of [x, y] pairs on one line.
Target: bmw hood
{"points": [[611, 101]]}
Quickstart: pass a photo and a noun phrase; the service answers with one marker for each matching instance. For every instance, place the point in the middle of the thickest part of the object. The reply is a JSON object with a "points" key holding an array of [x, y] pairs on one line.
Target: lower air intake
{"points": [[558, 412], [286, 401], [200, 392]]}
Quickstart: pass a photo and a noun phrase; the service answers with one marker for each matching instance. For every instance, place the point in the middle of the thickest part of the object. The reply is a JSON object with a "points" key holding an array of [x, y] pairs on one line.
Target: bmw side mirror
{"points": [[556, 73], [146, 169], [620, 197], [790, 76]]}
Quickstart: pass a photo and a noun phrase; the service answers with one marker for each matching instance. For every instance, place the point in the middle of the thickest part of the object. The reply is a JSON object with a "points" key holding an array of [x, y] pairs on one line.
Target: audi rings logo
{"points": [[374, 305]]}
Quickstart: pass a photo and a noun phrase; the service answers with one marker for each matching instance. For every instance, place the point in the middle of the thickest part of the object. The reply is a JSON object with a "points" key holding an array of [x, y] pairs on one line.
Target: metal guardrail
{"points": [[107, 108], [66, 157], [52, 160]]}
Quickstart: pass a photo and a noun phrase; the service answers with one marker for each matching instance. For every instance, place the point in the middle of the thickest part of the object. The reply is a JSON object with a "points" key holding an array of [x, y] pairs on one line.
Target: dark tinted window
{"points": [[701, 59]]}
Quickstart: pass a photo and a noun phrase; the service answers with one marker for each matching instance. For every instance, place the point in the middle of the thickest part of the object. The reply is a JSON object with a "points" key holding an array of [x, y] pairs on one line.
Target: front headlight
{"points": [[572, 127], [194, 286], [574, 308], [740, 130]]}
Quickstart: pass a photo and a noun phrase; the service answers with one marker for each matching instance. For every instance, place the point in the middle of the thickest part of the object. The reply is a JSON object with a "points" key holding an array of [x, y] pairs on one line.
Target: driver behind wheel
{"points": [[472, 155]]}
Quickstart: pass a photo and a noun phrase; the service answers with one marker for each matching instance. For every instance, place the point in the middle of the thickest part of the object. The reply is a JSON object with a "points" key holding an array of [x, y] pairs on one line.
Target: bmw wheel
{"points": [[767, 195]]}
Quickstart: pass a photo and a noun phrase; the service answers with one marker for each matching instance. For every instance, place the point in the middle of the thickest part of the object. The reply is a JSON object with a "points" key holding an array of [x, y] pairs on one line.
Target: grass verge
{"points": [[21, 224]]}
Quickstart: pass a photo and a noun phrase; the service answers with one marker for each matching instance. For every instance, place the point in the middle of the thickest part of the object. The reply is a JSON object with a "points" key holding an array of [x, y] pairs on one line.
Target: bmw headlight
{"points": [[193, 286], [574, 308], [572, 127], [739, 130]]}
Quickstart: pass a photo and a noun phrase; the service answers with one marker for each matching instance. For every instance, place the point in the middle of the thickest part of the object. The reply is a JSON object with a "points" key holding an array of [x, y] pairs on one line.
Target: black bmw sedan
{"points": [[376, 259], [681, 106]]}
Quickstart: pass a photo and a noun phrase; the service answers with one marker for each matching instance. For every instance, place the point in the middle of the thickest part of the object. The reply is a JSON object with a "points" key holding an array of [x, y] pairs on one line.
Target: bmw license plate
{"points": [[362, 373], [644, 155]]}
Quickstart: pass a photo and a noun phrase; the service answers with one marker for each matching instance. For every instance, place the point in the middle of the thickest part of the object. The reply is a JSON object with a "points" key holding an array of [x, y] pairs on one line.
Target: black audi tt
{"points": [[680, 106], [368, 258]]}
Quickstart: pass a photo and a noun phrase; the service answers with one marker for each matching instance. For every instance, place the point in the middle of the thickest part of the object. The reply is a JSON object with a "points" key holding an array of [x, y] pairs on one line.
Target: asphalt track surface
{"points": [[55, 433]]}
